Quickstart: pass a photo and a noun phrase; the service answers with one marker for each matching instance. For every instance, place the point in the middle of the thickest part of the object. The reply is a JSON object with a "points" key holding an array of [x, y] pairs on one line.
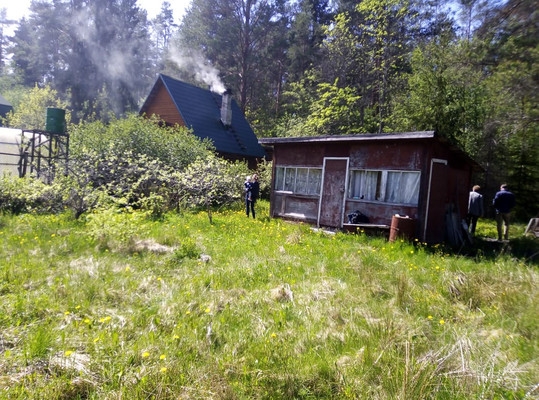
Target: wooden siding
{"points": [[411, 155], [163, 106]]}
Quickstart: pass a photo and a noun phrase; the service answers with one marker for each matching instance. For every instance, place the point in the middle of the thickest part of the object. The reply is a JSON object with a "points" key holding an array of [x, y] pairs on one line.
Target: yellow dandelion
{"points": [[429, 317], [273, 335], [207, 310], [127, 269], [176, 337], [68, 353], [162, 357], [66, 313], [188, 312], [96, 340], [163, 369], [442, 322], [145, 354]]}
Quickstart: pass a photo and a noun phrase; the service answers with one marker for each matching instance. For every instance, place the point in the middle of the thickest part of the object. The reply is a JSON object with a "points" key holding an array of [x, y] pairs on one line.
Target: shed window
{"points": [[400, 187], [298, 180]]}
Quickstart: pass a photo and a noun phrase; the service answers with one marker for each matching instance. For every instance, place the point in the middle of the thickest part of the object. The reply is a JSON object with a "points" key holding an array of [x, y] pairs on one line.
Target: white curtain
{"points": [[402, 187]]}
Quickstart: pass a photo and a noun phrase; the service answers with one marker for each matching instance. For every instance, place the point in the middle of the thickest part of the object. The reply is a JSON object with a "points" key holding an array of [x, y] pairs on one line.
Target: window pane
{"points": [[290, 179], [393, 189], [410, 190], [403, 187], [315, 179], [301, 180], [371, 186], [279, 178], [355, 184]]}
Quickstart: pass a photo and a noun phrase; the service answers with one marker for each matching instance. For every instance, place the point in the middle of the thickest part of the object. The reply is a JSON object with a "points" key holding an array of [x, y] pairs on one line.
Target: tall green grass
{"points": [[122, 306]]}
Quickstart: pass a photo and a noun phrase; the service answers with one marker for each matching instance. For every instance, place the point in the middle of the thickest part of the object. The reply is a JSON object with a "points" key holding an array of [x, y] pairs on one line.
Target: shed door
{"points": [[434, 231], [334, 181]]}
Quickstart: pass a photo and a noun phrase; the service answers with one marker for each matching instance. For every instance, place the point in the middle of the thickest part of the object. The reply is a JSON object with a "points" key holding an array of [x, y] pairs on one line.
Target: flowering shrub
{"points": [[18, 195]]}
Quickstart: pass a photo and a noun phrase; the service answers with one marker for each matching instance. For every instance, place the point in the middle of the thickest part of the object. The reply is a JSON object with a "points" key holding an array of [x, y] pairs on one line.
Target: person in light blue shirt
{"points": [[503, 203]]}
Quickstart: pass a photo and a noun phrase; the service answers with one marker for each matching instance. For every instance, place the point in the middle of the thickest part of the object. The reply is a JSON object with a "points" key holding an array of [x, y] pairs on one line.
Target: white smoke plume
{"points": [[195, 64], [114, 59]]}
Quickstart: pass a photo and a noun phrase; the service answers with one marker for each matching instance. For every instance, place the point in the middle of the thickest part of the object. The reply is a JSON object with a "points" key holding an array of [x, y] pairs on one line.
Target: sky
{"points": [[16, 9]]}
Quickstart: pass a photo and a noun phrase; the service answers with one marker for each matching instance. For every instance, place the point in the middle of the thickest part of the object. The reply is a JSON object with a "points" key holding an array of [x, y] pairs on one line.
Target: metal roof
{"points": [[350, 138], [201, 111]]}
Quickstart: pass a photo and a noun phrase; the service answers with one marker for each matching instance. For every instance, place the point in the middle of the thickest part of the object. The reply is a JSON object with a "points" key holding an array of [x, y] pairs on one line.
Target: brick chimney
{"points": [[226, 108]]}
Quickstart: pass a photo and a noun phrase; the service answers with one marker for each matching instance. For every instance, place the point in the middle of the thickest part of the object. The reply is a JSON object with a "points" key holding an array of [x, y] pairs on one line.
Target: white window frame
{"points": [[286, 180]]}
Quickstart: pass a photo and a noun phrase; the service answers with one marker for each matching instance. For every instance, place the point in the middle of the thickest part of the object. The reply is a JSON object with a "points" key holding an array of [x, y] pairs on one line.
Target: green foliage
{"points": [[335, 112], [175, 147], [264, 171], [116, 229], [444, 96], [113, 31], [21, 195], [30, 112], [188, 249], [207, 182]]}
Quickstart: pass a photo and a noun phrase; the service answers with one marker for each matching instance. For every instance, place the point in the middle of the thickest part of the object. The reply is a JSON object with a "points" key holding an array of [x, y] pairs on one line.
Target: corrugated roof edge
{"points": [[341, 138]]}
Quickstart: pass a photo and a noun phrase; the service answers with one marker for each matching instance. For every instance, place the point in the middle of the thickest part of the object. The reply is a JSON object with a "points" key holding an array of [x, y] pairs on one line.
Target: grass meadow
{"points": [[119, 306]]}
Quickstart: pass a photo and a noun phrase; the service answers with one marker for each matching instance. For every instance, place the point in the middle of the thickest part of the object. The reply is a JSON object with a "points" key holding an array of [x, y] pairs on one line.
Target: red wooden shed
{"points": [[322, 179]]}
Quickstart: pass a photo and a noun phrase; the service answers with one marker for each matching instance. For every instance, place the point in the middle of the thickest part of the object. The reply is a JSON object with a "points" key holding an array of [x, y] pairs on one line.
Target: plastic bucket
{"points": [[401, 227], [55, 120]]}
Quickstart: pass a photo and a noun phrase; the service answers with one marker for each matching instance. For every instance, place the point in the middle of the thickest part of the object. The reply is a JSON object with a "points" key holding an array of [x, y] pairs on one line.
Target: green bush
{"points": [[210, 182], [19, 195], [175, 147]]}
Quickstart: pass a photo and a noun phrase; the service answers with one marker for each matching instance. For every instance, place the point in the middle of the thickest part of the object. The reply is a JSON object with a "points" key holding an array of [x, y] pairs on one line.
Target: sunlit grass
{"points": [[243, 308]]}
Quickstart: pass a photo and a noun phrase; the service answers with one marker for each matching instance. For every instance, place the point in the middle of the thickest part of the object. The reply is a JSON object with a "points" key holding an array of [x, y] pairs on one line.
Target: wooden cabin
{"points": [[209, 115], [413, 175]]}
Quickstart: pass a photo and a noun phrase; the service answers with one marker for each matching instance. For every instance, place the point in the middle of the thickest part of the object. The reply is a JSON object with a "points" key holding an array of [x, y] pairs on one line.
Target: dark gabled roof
{"points": [[4, 102], [201, 111], [5, 107]]}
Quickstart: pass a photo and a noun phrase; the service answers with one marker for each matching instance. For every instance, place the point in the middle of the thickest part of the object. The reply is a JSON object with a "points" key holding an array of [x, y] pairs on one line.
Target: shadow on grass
{"points": [[524, 248]]}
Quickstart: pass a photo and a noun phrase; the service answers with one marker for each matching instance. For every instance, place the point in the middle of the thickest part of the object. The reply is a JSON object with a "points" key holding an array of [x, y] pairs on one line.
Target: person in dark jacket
{"points": [[475, 208], [252, 196], [503, 203]]}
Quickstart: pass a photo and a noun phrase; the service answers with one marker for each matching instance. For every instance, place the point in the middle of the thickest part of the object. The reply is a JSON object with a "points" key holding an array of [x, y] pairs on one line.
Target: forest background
{"points": [[468, 68]]}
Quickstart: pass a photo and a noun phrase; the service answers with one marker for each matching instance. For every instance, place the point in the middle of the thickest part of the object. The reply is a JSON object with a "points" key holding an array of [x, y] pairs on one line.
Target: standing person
{"points": [[475, 208], [254, 193], [247, 189], [503, 202]]}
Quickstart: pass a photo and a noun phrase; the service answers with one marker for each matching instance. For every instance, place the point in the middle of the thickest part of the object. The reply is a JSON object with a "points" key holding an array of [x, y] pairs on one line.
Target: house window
{"points": [[400, 187], [298, 180]]}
